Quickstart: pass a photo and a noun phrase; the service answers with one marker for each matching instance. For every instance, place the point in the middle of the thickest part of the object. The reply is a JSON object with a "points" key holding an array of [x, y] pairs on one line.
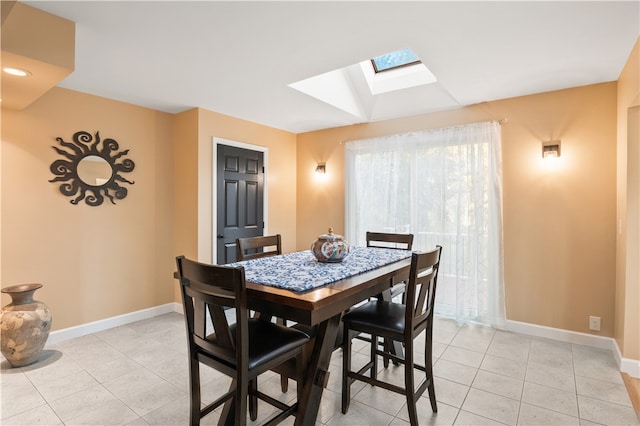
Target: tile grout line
{"points": [[46, 401], [474, 376], [575, 381]]}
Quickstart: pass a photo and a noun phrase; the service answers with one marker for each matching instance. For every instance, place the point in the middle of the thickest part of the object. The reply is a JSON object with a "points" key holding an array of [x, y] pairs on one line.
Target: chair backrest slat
{"points": [[423, 281], [421, 289], [272, 244], [389, 240]]}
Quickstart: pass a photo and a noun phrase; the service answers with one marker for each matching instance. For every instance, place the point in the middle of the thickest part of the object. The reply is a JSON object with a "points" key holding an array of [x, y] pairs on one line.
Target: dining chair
{"points": [[257, 247], [398, 322], [393, 241], [242, 350], [384, 240], [264, 246]]}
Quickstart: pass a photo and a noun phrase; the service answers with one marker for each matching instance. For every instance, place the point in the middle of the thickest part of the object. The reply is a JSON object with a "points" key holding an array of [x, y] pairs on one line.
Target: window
{"points": [[443, 186], [393, 60]]}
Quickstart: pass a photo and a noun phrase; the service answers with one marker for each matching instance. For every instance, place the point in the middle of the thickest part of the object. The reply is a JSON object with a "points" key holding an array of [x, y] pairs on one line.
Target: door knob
{"points": [[220, 236]]}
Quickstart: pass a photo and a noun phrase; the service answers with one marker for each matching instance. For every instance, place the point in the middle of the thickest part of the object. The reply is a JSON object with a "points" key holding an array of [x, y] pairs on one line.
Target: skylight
{"points": [[346, 88], [397, 78], [393, 60]]}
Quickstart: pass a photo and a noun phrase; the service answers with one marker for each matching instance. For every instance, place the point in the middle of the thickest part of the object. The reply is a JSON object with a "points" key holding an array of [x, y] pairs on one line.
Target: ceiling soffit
{"points": [[37, 42]]}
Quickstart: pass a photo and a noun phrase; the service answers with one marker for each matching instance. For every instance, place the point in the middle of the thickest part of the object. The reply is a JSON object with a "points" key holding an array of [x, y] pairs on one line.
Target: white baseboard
{"points": [[107, 323], [626, 365], [560, 334]]}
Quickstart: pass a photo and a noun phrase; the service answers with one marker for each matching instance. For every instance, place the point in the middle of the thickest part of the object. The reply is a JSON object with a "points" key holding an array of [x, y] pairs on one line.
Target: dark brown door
{"points": [[240, 187]]}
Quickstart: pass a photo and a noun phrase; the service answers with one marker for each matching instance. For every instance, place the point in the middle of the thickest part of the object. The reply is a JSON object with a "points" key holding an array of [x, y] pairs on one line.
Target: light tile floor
{"points": [[137, 375]]}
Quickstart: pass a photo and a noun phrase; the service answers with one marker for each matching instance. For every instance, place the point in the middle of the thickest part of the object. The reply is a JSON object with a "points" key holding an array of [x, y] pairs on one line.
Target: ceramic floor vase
{"points": [[24, 324]]}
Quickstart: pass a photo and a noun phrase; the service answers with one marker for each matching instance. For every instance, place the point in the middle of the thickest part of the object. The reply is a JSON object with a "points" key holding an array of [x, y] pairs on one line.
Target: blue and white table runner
{"points": [[300, 271]]}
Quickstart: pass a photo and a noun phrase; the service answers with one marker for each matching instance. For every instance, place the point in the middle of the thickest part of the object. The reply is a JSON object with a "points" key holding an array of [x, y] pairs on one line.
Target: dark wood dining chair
{"points": [[398, 322], [392, 241], [242, 350], [256, 247], [264, 246]]}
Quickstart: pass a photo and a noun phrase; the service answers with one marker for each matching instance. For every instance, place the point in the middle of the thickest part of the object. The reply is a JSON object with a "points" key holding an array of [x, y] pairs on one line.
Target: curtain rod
{"points": [[500, 122]]}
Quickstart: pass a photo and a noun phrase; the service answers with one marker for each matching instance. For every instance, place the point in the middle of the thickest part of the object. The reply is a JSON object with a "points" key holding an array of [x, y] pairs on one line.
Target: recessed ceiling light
{"points": [[16, 71]]}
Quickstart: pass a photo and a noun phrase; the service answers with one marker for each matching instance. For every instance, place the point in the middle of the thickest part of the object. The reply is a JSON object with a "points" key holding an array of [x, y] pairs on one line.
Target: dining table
{"points": [[297, 287]]}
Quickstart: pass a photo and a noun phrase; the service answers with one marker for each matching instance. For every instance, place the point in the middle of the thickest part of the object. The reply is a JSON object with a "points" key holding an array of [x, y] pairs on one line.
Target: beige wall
{"points": [[559, 225], [185, 160], [627, 331], [195, 131], [94, 262]]}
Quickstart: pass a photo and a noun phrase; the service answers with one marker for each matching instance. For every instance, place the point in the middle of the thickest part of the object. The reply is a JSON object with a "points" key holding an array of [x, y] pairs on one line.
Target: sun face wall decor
{"points": [[90, 170]]}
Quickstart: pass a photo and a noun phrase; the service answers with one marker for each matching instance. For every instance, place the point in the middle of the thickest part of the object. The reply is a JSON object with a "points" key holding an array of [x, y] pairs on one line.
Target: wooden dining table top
{"points": [[319, 304]]}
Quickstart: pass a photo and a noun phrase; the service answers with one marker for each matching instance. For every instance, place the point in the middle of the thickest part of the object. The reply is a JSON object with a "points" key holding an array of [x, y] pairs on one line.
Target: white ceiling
{"points": [[238, 58]]}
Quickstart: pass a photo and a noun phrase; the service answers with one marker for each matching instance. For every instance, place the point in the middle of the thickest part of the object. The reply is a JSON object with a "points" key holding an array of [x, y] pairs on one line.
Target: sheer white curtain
{"points": [[445, 187]]}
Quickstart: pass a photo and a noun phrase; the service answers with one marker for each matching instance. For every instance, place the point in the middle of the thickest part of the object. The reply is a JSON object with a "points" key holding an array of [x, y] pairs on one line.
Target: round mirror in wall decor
{"points": [[91, 169], [94, 170]]}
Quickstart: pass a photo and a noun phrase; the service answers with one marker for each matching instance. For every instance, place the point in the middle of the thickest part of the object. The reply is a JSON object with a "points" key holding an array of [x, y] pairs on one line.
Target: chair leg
{"points": [[389, 348], [374, 357], [253, 399], [432, 393], [194, 381], [284, 383], [388, 345], [346, 368], [409, 385], [300, 373], [242, 390], [428, 364]]}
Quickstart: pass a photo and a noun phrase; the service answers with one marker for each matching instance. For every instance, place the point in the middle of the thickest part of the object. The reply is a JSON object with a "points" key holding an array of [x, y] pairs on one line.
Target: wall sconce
{"points": [[321, 168], [551, 149]]}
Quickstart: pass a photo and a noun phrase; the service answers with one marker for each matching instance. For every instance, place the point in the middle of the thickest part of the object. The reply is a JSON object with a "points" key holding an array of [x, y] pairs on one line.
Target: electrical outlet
{"points": [[594, 323]]}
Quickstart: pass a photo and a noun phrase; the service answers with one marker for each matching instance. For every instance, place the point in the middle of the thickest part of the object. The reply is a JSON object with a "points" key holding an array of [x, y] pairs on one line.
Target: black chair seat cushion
{"points": [[377, 314], [306, 329], [268, 340]]}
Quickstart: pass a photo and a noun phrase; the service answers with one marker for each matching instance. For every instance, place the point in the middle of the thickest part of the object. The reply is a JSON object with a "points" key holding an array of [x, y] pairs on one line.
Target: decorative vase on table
{"points": [[25, 325], [330, 247]]}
